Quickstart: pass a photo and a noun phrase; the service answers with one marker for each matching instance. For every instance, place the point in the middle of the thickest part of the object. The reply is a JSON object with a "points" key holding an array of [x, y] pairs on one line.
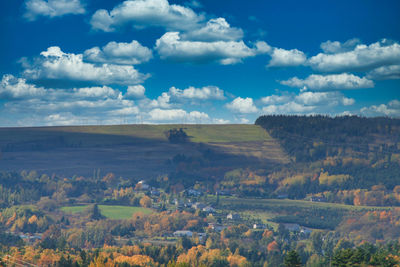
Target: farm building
{"points": [[183, 233]]}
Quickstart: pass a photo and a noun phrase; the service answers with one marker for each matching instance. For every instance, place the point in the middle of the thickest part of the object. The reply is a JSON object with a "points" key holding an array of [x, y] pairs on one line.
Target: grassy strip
{"points": [[111, 212]]}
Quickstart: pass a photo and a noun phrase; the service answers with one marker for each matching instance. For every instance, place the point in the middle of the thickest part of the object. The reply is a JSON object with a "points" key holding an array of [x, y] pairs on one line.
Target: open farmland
{"points": [[111, 212], [312, 214], [139, 151]]}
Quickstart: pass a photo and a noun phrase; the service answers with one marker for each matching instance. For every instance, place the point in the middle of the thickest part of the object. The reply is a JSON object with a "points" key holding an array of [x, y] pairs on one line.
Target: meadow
{"points": [[318, 215], [198, 133], [110, 211], [133, 151]]}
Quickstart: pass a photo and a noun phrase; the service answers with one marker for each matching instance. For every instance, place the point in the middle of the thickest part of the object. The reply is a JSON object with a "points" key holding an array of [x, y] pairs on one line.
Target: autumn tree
{"points": [[146, 202]]}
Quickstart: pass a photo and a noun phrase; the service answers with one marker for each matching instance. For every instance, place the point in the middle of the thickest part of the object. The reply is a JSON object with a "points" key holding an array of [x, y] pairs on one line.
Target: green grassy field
{"points": [[307, 213], [139, 151], [265, 203], [197, 133], [111, 212]]}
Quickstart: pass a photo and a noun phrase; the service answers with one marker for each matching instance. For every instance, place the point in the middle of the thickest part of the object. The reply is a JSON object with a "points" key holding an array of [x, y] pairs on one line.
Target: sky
{"points": [[79, 62]]}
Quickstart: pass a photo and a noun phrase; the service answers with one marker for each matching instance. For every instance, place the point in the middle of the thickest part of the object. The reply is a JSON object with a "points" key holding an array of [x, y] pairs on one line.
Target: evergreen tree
{"points": [[292, 259], [94, 213]]}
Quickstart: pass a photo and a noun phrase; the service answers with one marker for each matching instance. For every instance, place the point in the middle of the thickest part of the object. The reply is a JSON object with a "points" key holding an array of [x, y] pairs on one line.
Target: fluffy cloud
{"points": [[30, 105], [176, 96], [12, 87], [215, 30], [65, 118], [39, 106], [125, 111], [304, 103], [330, 82], [162, 101], [323, 98], [96, 92], [385, 73], [52, 8], [170, 46], [392, 109], [57, 65], [287, 108], [177, 114], [135, 91], [285, 58], [192, 93], [119, 53], [221, 121], [362, 57], [273, 99], [330, 47], [144, 13], [242, 105]]}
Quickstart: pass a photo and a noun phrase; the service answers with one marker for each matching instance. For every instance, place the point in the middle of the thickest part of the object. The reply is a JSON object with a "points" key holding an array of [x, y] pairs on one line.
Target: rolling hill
{"points": [[132, 150]]}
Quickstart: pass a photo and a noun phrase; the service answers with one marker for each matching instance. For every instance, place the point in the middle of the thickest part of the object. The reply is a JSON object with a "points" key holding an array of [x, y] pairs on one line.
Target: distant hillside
{"points": [[308, 138], [132, 150]]}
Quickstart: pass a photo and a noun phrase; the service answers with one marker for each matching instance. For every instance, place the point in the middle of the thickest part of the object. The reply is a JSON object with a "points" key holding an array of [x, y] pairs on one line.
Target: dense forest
{"points": [[309, 138]]}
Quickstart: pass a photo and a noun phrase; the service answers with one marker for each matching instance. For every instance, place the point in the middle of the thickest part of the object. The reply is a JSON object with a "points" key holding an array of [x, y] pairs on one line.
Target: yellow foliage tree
{"points": [[141, 260], [145, 202]]}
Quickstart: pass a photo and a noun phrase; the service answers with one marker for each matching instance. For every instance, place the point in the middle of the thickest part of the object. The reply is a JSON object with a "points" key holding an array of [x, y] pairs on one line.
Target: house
{"points": [[188, 205], [305, 231], [223, 192], [202, 237], [292, 227], [178, 203], [209, 209], [183, 233], [259, 226], [155, 192], [233, 216], [142, 185], [216, 227], [30, 238], [318, 199], [199, 206], [193, 193]]}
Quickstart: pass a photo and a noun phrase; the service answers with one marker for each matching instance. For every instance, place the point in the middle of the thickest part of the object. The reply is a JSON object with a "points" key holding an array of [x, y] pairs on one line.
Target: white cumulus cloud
{"points": [[170, 46], [96, 92], [362, 57], [286, 58], [273, 99], [324, 98], [135, 91], [215, 30], [305, 102], [163, 101], [12, 87], [333, 47], [176, 114], [57, 65], [52, 8], [144, 13], [287, 108], [392, 109], [385, 73], [342, 81], [119, 53], [242, 105], [192, 93]]}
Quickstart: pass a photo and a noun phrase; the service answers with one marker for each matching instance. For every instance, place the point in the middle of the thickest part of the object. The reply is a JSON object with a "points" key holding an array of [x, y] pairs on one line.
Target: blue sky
{"points": [[69, 62]]}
